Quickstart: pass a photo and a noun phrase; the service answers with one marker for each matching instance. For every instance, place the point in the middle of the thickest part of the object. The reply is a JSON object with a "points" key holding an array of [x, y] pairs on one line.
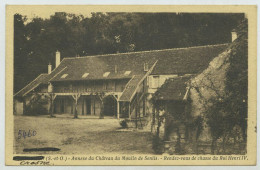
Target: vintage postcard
{"points": [[130, 85]]}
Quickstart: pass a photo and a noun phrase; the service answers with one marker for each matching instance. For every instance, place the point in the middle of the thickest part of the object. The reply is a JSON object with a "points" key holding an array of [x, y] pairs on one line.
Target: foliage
{"points": [[226, 108], [37, 40], [36, 105], [237, 78], [157, 145], [123, 124], [199, 125]]}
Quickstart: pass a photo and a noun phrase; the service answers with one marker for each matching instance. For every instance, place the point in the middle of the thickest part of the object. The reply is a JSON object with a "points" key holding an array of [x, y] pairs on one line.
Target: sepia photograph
{"points": [[165, 85]]}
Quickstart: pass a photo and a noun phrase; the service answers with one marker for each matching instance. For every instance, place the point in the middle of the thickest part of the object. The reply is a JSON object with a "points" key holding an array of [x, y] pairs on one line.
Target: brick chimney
{"points": [[57, 58], [233, 35], [49, 68]]}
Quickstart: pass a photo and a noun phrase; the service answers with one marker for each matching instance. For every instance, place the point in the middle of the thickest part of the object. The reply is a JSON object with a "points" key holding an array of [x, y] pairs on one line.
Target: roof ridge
{"points": [[136, 52]]}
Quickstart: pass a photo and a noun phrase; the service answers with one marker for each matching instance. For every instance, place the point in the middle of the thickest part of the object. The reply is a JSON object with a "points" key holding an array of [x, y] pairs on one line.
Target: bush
{"points": [[36, 110], [157, 145], [36, 106], [123, 124]]}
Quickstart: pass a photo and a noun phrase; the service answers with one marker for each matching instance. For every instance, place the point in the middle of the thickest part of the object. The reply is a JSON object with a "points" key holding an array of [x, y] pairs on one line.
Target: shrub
{"points": [[36, 105], [157, 145], [123, 124]]}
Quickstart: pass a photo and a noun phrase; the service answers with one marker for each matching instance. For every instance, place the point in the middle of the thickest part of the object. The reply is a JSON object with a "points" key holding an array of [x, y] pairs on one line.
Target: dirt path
{"points": [[80, 136]]}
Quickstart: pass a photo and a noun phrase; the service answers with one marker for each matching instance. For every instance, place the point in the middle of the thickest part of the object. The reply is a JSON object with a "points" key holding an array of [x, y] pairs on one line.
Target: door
{"points": [[88, 105], [62, 105]]}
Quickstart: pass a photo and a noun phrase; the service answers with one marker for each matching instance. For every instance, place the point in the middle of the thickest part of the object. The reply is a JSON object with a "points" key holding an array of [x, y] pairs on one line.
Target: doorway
{"points": [[110, 106], [88, 106]]}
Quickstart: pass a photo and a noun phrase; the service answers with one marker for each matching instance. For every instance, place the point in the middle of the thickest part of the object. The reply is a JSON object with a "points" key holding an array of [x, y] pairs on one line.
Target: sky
{"points": [[46, 14]]}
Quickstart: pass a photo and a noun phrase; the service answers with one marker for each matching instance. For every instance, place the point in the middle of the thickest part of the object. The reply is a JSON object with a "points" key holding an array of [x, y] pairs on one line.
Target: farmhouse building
{"points": [[118, 85]]}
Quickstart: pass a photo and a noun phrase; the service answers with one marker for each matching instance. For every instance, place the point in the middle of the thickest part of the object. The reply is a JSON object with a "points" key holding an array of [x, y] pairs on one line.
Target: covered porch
{"points": [[85, 104]]}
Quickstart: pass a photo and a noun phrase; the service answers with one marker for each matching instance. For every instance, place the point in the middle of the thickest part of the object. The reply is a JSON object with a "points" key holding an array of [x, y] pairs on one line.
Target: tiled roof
{"points": [[173, 89], [186, 60], [130, 88], [96, 66], [170, 61], [41, 79]]}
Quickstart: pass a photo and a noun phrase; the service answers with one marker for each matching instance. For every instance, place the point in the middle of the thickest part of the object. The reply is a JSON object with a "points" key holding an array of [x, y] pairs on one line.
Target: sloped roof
{"points": [[186, 60], [130, 88], [173, 89], [42, 78], [170, 61], [96, 66]]}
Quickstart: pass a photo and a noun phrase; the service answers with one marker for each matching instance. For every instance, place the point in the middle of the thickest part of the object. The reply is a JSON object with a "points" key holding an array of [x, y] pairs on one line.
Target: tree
{"points": [[37, 40], [20, 51], [237, 78], [224, 99]]}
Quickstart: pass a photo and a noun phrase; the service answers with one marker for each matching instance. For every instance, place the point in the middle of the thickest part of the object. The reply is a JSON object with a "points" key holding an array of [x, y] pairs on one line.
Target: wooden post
{"points": [[158, 123], [83, 101], [76, 97], [118, 110], [153, 119], [129, 110], [52, 108], [76, 108], [94, 103], [101, 116], [24, 106], [71, 107], [101, 96], [136, 111], [52, 98], [144, 110]]}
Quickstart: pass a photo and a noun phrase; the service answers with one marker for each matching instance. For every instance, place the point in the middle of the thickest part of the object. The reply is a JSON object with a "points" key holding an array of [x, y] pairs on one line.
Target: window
{"points": [[85, 75], [127, 73], [64, 76], [156, 81], [106, 74]]}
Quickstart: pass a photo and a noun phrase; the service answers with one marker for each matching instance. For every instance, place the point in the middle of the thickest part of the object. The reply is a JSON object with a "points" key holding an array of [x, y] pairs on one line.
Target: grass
{"points": [[85, 135]]}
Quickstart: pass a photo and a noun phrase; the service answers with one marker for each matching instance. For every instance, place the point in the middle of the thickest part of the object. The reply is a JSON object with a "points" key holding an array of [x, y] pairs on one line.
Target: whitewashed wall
{"points": [[156, 81]]}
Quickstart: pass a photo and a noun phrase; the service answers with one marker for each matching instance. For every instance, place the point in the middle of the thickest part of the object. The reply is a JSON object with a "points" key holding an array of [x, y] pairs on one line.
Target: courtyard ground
{"points": [[86, 135]]}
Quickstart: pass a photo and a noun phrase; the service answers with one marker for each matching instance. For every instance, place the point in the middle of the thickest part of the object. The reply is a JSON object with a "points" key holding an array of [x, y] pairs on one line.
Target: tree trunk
{"points": [[136, 110]]}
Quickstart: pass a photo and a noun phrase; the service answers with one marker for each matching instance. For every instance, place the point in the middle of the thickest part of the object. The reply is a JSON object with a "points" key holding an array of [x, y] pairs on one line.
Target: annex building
{"points": [[119, 85]]}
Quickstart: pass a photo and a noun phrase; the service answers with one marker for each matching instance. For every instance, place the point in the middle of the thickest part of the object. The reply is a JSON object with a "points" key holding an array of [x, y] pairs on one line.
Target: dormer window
{"points": [[106, 74], [64, 76], [127, 73], [85, 75]]}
